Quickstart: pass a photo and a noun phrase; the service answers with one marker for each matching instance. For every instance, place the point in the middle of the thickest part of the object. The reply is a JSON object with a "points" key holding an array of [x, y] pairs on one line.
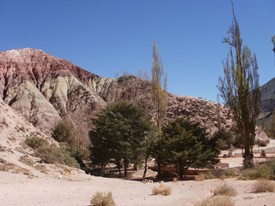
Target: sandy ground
{"points": [[17, 189]]}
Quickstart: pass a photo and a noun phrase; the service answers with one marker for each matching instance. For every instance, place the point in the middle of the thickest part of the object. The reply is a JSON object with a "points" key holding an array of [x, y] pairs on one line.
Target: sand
{"points": [[18, 189]]}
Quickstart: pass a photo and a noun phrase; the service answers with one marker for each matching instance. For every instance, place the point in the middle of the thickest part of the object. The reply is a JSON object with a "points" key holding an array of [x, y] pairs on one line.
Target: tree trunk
{"points": [[125, 167], [248, 157], [145, 167], [159, 169], [119, 168], [180, 170]]}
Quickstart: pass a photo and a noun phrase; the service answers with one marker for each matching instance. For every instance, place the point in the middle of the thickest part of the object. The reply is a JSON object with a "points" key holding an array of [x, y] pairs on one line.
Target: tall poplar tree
{"points": [[240, 89], [159, 86]]}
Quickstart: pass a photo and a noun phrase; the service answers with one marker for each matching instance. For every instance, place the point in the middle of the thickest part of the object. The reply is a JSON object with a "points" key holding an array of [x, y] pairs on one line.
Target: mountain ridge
{"points": [[45, 89]]}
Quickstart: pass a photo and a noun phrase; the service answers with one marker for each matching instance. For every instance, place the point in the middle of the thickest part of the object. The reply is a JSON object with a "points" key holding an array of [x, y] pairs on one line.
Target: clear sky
{"points": [[108, 37]]}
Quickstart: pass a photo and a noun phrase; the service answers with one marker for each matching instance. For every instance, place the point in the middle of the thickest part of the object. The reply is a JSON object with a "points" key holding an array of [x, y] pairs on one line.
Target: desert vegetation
{"points": [[50, 154], [103, 199], [162, 190], [215, 201], [225, 190], [264, 186]]}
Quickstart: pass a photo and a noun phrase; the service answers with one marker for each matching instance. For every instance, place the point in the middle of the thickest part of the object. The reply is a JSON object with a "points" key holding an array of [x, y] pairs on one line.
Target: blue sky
{"points": [[108, 37]]}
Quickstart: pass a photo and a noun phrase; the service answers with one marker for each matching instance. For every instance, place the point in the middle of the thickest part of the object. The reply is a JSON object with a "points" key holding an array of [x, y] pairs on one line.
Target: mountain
{"points": [[45, 89], [267, 103]]}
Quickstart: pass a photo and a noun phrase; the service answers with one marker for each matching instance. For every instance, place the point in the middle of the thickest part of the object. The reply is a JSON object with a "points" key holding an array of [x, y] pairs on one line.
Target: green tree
{"points": [[159, 86], [224, 139], [119, 134], [159, 99], [186, 145], [240, 89]]}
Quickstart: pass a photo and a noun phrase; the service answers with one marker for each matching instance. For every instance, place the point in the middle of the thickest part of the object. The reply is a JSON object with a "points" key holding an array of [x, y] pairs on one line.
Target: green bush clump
{"points": [[52, 154], [103, 199], [216, 201], [36, 142]]}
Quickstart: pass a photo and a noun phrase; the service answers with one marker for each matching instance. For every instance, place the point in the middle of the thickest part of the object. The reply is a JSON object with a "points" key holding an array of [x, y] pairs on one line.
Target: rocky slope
{"points": [[267, 103], [44, 88]]}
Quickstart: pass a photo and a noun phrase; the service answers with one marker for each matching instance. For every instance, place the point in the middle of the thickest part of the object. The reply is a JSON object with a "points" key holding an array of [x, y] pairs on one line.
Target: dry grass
{"points": [[225, 190], [10, 167], [103, 199], [26, 160], [216, 201], [264, 186], [162, 190]]}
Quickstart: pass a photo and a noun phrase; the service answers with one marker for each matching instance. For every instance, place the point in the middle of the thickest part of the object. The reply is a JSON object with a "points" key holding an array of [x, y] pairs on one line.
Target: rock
{"points": [[44, 89]]}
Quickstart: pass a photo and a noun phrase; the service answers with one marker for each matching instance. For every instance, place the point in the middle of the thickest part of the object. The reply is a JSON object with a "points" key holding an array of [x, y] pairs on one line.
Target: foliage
{"points": [[120, 131], [224, 139], [225, 190], [103, 199], [36, 142], [217, 173], [216, 201], [240, 89], [262, 143], [185, 144], [162, 190], [265, 171], [264, 186], [52, 154], [66, 133], [159, 86]]}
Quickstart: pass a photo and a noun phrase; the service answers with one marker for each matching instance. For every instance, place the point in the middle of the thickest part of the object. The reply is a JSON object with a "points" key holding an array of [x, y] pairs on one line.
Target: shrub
{"points": [[262, 143], [217, 173], [35, 142], [225, 190], [265, 171], [215, 201], [263, 186], [103, 199], [51, 154], [204, 176], [162, 190]]}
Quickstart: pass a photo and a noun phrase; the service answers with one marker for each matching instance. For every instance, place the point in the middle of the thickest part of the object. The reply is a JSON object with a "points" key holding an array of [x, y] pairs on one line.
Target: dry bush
{"points": [[103, 199], [204, 176], [36, 142], [216, 201], [264, 186], [41, 168], [264, 171], [225, 190], [26, 160], [162, 190]]}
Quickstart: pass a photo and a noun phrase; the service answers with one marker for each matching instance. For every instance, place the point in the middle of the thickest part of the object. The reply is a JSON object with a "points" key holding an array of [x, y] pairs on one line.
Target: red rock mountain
{"points": [[44, 89]]}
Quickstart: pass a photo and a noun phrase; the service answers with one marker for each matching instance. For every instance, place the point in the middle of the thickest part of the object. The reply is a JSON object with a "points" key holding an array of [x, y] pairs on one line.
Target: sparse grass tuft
{"points": [[263, 186], [162, 190], [216, 201], [225, 190], [103, 199]]}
